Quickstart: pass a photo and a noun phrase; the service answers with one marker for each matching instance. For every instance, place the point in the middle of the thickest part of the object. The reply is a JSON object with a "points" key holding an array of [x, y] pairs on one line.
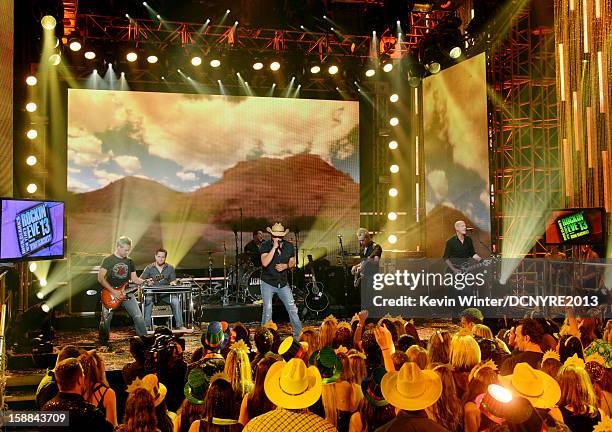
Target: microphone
{"points": [[339, 236], [471, 229]]}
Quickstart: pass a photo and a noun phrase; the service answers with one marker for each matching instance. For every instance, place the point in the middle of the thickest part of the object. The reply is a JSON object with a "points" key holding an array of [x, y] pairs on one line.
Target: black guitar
{"points": [[316, 300]]}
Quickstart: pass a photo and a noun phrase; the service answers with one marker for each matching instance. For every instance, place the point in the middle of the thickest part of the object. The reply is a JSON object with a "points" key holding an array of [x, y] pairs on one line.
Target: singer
{"points": [[277, 257], [459, 249]]}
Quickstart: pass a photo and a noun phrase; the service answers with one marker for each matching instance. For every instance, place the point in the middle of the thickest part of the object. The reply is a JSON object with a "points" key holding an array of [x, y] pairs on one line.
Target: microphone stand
{"points": [[237, 281], [344, 270]]}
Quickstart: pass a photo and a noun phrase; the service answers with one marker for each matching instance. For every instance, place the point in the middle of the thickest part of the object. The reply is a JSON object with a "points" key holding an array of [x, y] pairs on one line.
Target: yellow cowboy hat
{"points": [[292, 385], [411, 388], [538, 387]]}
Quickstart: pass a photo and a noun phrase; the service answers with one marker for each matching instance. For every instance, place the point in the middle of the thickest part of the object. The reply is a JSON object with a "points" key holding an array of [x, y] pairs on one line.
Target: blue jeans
{"points": [[173, 300], [131, 306], [286, 296]]}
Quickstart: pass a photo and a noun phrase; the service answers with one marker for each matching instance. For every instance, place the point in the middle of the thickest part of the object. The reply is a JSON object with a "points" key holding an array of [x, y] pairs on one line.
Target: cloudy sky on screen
{"points": [[187, 141]]}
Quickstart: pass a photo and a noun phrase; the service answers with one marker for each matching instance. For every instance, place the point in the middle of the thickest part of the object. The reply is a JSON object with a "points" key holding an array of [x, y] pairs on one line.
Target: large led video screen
{"points": [[192, 172], [456, 154]]}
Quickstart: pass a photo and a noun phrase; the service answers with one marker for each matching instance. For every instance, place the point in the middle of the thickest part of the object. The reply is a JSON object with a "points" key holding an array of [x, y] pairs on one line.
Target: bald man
{"points": [[459, 248]]}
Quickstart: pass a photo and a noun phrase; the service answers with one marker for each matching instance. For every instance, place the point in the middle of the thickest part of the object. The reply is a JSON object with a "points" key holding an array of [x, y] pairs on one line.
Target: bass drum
{"points": [[251, 282]]}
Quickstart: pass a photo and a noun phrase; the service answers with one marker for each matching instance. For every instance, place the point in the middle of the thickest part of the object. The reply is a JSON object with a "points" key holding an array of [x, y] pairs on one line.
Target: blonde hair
{"points": [[238, 369], [483, 331], [358, 365], [438, 348], [328, 331], [464, 352], [576, 389], [328, 398], [93, 371], [310, 335], [417, 355]]}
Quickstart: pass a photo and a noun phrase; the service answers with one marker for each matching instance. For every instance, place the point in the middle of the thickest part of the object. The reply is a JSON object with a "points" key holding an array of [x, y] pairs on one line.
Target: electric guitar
{"points": [[316, 300], [113, 302], [483, 263]]}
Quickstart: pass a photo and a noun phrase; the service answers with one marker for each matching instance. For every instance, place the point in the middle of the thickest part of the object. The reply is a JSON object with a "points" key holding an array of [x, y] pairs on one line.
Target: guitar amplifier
{"points": [[84, 290], [161, 311]]}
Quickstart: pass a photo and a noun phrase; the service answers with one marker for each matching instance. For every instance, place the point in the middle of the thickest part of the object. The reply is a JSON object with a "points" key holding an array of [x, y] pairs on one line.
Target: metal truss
{"points": [[527, 164], [162, 34]]}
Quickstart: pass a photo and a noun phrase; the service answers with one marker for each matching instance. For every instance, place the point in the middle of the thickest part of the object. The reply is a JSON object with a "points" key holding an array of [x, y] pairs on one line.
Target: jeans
{"points": [[173, 300], [131, 306], [286, 296]]}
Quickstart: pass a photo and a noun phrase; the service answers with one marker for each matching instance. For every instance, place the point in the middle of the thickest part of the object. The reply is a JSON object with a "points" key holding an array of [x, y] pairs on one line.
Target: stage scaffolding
{"points": [[527, 161]]}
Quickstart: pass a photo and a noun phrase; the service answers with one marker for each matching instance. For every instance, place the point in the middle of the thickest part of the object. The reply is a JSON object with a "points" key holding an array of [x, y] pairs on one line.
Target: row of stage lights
{"points": [[393, 169], [32, 132]]}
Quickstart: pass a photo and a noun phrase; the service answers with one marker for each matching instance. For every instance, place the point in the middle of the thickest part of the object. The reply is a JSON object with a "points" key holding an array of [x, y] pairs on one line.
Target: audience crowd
{"points": [[532, 375]]}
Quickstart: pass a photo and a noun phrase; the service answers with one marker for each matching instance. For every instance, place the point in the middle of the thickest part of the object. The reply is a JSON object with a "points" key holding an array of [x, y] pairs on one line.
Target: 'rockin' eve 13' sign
{"points": [[34, 230]]}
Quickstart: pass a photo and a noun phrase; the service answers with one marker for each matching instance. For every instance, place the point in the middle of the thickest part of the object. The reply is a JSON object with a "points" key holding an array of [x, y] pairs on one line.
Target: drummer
{"points": [[252, 248]]}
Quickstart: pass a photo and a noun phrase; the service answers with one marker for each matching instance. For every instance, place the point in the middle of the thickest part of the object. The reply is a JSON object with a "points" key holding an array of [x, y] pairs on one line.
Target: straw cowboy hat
{"points": [[277, 230], [151, 384], [538, 387], [293, 386], [411, 388]]}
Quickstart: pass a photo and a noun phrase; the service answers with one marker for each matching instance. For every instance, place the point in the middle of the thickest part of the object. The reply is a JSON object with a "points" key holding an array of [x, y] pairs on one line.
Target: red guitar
{"points": [[113, 302]]}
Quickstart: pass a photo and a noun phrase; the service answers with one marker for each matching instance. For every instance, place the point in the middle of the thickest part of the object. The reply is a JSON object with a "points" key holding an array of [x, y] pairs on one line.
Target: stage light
{"points": [[32, 188], [31, 160], [33, 266], [258, 65], [48, 22], [370, 73], [32, 134], [393, 192], [392, 239], [31, 107], [332, 70], [90, 55], [394, 98], [215, 63], [394, 121], [158, 16], [45, 307], [394, 168], [31, 80], [455, 52], [40, 295], [131, 57], [227, 11], [499, 393], [392, 216], [145, 3], [55, 59], [75, 44], [196, 61], [388, 67], [392, 145], [274, 66], [315, 69], [433, 67], [152, 59]]}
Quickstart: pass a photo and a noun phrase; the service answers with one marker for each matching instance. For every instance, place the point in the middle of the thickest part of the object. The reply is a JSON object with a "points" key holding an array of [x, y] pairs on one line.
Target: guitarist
{"points": [[459, 249], [369, 253], [116, 270]]}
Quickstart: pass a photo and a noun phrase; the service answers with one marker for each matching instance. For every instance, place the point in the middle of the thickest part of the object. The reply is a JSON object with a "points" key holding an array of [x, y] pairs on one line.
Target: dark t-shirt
{"points": [[269, 274], [370, 265], [253, 250], [533, 358], [118, 270], [459, 253], [411, 421]]}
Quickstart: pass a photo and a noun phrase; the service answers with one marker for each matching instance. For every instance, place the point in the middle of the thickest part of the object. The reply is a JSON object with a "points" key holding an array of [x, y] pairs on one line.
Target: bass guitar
{"points": [[113, 302], [316, 300]]}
